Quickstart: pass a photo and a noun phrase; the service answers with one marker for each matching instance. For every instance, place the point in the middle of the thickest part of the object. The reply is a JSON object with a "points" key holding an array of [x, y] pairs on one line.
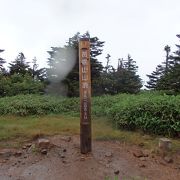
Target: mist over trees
{"points": [[105, 80], [67, 56], [62, 74]]}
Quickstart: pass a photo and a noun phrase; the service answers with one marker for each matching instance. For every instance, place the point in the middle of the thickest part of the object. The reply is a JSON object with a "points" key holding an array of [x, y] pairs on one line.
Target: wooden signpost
{"points": [[85, 95]]}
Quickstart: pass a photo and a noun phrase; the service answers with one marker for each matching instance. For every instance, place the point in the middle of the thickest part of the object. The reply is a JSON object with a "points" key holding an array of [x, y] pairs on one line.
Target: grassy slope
{"points": [[45, 115], [14, 130], [153, 113]]}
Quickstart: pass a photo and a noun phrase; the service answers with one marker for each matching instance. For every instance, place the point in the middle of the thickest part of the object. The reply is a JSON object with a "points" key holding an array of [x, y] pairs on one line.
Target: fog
{"points": [[64, 60]]}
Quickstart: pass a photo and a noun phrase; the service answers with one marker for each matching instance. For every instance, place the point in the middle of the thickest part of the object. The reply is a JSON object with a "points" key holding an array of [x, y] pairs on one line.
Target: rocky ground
{"points": [[59, 158]]}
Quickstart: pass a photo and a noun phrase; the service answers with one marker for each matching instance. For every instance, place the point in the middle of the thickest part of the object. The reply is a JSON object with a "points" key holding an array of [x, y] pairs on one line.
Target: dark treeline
{"points": [[105, 80], [167, 74], [22, 78]]}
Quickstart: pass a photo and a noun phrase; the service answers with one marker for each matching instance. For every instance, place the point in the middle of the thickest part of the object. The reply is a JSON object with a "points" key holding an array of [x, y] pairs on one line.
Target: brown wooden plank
{"points": [[85, 95]]}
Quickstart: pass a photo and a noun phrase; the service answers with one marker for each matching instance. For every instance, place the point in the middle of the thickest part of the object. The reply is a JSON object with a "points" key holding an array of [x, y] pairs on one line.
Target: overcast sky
{"points": [[139, 27]]}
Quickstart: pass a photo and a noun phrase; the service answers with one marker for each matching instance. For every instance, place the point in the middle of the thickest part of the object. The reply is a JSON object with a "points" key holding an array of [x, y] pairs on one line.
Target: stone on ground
{"points": [[43, 143], [165, 144]]}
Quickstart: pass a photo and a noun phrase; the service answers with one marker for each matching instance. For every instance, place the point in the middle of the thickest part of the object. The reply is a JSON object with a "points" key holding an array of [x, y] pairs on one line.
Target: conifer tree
{"points": [[36, 73], [2, 61], [171, 80], [66, 56], [157, 78], [19, 65], [126, 78], [154, 77]]}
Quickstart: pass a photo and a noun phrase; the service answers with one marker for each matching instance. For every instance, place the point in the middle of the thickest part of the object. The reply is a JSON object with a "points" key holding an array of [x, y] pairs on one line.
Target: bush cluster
{"points": [[37, 105], [154, 113], [157, 114]]}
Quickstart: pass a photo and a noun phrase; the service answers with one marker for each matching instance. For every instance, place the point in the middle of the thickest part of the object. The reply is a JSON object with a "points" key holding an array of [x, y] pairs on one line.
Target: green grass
{"points": [[14, 130], [150, 112], [30, 126]]}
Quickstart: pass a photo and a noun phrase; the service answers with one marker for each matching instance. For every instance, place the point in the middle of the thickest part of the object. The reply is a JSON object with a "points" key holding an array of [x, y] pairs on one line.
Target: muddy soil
{"points": [[108, 161]]}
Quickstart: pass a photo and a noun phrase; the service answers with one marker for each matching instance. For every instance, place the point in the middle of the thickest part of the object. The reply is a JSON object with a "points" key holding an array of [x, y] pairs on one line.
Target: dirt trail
{"points": [[107, 161]]}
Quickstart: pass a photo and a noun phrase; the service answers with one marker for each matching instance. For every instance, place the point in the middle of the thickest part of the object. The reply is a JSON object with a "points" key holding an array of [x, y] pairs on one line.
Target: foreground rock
{"points": [[66, 138], [5, 153], [168, 159], [108, 154], [138, 153], [43, 143], [18, 153], [165, 144], [44, 151]]}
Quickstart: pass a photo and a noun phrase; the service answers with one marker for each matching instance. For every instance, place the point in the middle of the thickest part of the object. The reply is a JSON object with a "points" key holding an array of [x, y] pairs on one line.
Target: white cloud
{"points": [[141, 28]]}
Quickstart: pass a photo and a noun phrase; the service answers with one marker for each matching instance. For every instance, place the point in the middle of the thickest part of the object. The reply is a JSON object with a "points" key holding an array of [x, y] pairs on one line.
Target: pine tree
{"points": [[96, 67], [172, 78], [167, 63], [127, 81], [21, 79], [154, 77], [157, 79], [68, 59], [37, 74], [107, 79], [130, 64], [2, 61], [19, 65]]}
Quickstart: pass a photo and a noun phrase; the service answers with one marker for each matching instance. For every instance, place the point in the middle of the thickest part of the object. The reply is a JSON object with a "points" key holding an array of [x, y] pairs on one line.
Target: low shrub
{"points": [[155, 113], [37, 105]]}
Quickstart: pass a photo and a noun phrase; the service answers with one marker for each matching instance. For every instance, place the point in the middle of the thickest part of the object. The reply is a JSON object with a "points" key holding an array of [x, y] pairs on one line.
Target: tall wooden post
{"points": [[85, 95]]}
